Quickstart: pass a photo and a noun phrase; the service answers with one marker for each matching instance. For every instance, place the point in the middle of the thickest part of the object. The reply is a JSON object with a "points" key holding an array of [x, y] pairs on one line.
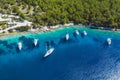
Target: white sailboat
{"points": [[85, 33], [77, 32], [35, 42], [20, 46], [67, 36], [50, 51], [109, 41]]}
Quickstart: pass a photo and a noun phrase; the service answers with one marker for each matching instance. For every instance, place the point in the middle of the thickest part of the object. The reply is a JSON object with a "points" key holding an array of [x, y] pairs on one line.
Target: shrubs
{"points": [[51, 12], [22, 29]]}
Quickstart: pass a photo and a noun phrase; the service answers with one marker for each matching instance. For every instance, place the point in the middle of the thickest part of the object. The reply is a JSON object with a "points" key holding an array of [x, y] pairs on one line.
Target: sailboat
{"points": [[67, 36], [85, 33], [35, 42], [48, 52], [109, 41], [77, 32], [20, 46]]}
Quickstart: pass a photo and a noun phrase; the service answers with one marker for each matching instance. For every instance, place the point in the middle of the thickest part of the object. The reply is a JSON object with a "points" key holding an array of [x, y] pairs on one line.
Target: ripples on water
{"points": [[79, 58]]}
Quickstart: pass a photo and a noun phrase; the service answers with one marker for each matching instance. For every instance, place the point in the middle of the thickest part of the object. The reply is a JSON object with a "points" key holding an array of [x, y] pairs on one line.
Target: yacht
{"points": [[67, 36], [50, 51], [109, 41], [85, 33], [77, 32], [20, 46], [35, 42]]}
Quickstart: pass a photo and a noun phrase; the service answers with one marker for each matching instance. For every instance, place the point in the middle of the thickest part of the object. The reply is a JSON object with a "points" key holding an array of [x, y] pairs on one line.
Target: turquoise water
{"points": [[79, 58]]}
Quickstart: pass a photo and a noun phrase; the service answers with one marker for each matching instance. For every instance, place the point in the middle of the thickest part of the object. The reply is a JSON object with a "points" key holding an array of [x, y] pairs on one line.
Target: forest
{"points": [[105, 13]]}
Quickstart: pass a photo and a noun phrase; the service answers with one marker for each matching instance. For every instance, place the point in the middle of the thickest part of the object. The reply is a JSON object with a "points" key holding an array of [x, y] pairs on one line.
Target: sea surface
{"points": [[80, 58]]}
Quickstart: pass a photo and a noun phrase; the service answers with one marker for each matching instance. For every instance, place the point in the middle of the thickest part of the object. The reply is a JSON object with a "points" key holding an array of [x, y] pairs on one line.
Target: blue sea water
{"points": [[79, 58]]}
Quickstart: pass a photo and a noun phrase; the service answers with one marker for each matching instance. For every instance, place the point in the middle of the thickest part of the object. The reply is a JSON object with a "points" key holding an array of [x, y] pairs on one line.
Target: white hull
{"points": [[85, 33], [77, 32], [67, 36], [49, 52], [109, 41], [20, 46], [35, 42]]}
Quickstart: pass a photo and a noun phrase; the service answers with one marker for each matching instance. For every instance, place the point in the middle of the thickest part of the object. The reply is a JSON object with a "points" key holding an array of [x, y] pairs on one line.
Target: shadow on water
{"points": [[47, 43], [75, 34], [5, 43], [63, 41], [53, 43], [17, 49], [44, 58], [8, 46], [28, 42], [38, 45], [106, 45], [12, 45], [82, 35], [2, 51], [76, 37], [97, 40], [50, 43]]}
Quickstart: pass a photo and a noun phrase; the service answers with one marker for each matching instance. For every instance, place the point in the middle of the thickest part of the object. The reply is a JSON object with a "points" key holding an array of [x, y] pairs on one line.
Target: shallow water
{"points": [[79, 58]]}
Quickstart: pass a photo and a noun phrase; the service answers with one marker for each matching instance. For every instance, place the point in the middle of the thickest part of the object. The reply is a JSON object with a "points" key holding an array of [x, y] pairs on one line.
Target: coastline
{"points": [[4, 35]]}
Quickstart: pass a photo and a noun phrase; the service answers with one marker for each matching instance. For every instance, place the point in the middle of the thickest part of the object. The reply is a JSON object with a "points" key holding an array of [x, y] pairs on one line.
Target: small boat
{"points": [[109, 41], [67, 36], [77, 32], [49, 52], [35, 42], [85, 33], [20, 46]]}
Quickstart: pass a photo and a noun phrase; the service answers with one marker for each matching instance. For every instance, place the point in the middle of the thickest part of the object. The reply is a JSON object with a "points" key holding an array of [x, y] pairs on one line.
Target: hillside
{"points": [[52, 12]]}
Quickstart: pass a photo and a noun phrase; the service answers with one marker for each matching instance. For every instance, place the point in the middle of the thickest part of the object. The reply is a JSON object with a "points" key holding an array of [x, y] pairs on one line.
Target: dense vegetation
{"points": [[52, 12]]}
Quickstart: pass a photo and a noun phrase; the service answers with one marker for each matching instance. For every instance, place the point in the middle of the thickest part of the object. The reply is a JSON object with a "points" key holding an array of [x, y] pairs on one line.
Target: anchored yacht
{"points": [[50, 51], [85, 33], [35, 42], [77, 32], [67, 36], [20, 46], [109, 41]]}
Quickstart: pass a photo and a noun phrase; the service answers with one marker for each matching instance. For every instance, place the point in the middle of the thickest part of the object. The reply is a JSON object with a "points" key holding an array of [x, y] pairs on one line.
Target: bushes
{"points": [[51, 12], [98, 12], [22, 29]]}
